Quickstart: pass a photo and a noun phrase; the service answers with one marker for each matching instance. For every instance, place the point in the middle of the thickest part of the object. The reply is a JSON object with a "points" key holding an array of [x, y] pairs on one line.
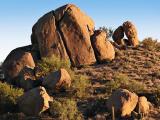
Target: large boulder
{"points": [[76, 28], [34, 101], [46, 37], [131, 33], [104, 50], [118, 36], [15, 62], [123, 101], [65, 32], [143, 105], [57, 80]]}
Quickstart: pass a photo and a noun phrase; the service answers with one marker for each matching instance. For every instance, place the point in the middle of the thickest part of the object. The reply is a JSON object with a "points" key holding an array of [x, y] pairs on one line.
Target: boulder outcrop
{"points": [[65, 32], [104, 50], [123, 101], [15, 62]]}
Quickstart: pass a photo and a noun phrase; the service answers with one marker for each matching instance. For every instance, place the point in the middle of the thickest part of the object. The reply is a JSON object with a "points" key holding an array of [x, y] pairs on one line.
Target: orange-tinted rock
{"points": [[131, 33], [104, 50], [124, 102], [15, 62], [76, 29], [57, 80]]}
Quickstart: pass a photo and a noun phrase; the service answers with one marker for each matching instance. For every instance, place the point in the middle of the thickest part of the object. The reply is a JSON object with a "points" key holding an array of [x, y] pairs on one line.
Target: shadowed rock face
{"points": [[118, 35], [65, 32], [16, 61]]}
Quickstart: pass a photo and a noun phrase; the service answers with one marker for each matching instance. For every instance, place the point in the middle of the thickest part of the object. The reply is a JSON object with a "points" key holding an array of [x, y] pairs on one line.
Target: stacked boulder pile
{"points": [[131, 33], [70, 34]]}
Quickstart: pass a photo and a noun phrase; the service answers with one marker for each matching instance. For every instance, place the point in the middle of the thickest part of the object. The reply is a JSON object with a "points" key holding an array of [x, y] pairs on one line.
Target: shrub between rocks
{"points": [[79, 83], [8, 97], [65, 109], [124, 82]]}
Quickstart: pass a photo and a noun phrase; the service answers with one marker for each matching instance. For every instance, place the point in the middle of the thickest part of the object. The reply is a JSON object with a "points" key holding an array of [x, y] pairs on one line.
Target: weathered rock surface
{"points": [[143, 105], [124, 102], [26, 78], [46, 38], [58, 79], [15, 62], [65, 32], [118, 35], [76, 28], [131, 33], [104, 50], [34, 101]]}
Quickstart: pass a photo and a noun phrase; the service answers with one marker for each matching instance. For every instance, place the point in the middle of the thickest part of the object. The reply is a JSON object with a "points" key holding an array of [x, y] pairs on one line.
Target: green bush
{"points": [[53, 63], [150, 44], [79, 85], [8, 96], [65, 109], [124, 82], [79, 82]]}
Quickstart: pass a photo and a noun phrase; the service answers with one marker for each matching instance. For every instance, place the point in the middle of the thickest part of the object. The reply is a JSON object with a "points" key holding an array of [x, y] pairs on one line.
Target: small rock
{"points": [[57, 80], [34, 101], [142, 105]]}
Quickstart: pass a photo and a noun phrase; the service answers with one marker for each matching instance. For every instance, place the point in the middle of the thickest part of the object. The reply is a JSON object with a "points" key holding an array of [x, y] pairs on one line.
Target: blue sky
{"points": [[18, 16]]}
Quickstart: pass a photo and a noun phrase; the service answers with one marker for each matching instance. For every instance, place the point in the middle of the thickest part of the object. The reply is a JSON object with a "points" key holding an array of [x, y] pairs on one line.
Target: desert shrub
{"points": [[123, 81], [8, 96], [157, 94], [148, 64], [53, 63], [109, 31], [79, 85], [149, 43], [65, 109], [79, 82]]}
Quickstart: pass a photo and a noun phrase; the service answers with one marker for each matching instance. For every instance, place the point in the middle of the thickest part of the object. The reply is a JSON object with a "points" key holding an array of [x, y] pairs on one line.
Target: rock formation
{"points": [[142, 105], [131, 33], [65, 32], [34, 101], [123, 101], [104, 50], [57, 80], [15, 62]]}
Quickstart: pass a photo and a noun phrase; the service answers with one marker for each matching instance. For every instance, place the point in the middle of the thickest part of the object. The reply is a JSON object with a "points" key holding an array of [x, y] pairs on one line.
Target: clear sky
{"points": [[18, 16]]}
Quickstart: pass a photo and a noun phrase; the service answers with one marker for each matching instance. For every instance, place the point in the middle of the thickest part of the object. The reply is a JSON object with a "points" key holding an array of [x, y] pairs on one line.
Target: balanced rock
{"points": [[123, 101], [104, 50], [15, 62], [131, 33], [65, 32], [34, 101], [56, 80], [118, 35], [142, 105]]}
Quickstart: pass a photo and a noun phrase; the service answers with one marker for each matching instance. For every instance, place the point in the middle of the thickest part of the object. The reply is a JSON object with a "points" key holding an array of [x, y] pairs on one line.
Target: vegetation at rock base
{"points": [[53, 63], [65, 109], [123, 81], [8, 97]]}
